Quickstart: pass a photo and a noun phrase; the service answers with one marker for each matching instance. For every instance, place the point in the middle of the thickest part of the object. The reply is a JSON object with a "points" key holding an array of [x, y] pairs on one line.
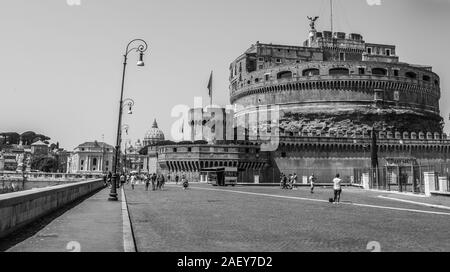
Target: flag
{"points": [[210, 85]]}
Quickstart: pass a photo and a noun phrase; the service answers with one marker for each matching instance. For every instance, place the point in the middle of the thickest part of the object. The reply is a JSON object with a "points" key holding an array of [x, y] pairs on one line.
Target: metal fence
{"points": [[322, 175], [404, 178], [392, 178]]}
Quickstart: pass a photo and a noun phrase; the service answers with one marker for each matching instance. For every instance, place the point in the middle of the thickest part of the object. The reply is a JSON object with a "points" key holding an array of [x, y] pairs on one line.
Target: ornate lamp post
{"points": [[141, 47]]}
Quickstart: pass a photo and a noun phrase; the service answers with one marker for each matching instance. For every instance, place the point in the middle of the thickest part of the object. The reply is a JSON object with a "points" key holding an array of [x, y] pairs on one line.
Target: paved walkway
{"points": [[94, 225], [207, 218]]}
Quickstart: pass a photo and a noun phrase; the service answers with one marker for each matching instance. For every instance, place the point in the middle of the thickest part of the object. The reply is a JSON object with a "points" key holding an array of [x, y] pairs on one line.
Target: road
{"points": [[206, 218]]}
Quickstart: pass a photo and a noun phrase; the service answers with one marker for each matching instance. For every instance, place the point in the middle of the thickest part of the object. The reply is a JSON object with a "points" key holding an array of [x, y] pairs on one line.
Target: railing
{"points": [[46, 176]]}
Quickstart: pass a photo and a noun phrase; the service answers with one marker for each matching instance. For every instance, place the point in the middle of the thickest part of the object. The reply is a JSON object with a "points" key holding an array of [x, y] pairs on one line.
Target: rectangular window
{"points": [[261, 67], [369, 50], [260, 59], [341, 56], [267, 77], [388, 52], [278, 60], [189, 149], [174, 150], [107, 163], [361, 70], [395, 72]]}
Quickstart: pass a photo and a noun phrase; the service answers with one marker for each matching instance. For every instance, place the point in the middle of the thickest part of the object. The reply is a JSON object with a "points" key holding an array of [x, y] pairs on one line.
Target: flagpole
{"points": [[210, 96]]}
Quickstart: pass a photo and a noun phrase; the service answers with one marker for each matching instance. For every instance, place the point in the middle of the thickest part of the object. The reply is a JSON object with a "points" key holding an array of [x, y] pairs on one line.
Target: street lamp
{"points": [[141, 47], [129, 103]]}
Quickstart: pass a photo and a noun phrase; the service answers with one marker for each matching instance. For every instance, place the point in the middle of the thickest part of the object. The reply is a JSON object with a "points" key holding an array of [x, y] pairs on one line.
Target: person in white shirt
{"points": [[312, 180], [337, 189]]}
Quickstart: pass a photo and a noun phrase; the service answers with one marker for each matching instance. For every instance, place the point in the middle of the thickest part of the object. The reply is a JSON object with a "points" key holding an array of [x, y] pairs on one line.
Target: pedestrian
{"points": [[337, 189], [132, 181], [282, 180], [176, 179], [312, 181], [294, 181], [163, 180], [122, 179], [109, 178], [185, 182], [153, 178], [158, 182], [147, 182]]}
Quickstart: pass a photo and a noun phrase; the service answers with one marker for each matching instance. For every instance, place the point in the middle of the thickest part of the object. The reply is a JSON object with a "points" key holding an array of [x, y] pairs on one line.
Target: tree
{"points": [[11, 137], [30, 137], [44, 163]]}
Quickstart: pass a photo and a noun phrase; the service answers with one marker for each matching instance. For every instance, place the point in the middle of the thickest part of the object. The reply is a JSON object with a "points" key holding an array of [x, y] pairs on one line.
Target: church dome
{"points": [[154, 135]]}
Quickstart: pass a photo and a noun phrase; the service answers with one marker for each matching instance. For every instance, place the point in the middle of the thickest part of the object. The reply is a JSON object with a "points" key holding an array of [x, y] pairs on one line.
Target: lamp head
{"points": [[141, 60]]}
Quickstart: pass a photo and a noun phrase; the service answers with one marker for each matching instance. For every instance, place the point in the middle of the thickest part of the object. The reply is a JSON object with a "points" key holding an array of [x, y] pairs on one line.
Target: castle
{"points": [[337, 104]]}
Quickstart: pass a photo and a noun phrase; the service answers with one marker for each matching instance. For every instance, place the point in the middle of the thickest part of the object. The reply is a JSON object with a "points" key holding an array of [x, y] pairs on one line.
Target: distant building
{"points": [[152, 138], [331, 94], [133, 160], [154, 135], [39, 148], [12, 156], [91, 157]]}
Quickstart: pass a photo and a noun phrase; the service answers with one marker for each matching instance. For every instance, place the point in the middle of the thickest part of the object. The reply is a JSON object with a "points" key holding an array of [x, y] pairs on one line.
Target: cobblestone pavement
{"points": [[207, 218]]}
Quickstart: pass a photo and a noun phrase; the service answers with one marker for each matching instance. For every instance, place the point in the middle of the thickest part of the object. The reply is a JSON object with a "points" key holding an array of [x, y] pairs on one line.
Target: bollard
{"points": [[365, 181], [443, 184], [429, 182]]}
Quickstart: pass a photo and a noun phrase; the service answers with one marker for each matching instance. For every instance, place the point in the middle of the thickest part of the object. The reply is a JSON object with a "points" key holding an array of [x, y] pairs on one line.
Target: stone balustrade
{"points": [[32, 176]]}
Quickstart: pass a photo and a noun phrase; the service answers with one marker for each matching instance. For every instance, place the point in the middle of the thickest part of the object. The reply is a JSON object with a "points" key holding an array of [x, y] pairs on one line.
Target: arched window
{"points": [[338, 71], [426, 78], [411, 75], [94, 161], [311, 72], [379, 72], [284, 74]]}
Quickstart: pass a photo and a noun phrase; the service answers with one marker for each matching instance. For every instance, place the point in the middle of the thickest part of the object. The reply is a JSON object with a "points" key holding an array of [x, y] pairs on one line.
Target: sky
{"points": [[61, 60]]}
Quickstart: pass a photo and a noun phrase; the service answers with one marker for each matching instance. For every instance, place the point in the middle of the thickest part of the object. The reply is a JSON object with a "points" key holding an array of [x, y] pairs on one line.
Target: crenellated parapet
{"points": [[381, 135]]}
